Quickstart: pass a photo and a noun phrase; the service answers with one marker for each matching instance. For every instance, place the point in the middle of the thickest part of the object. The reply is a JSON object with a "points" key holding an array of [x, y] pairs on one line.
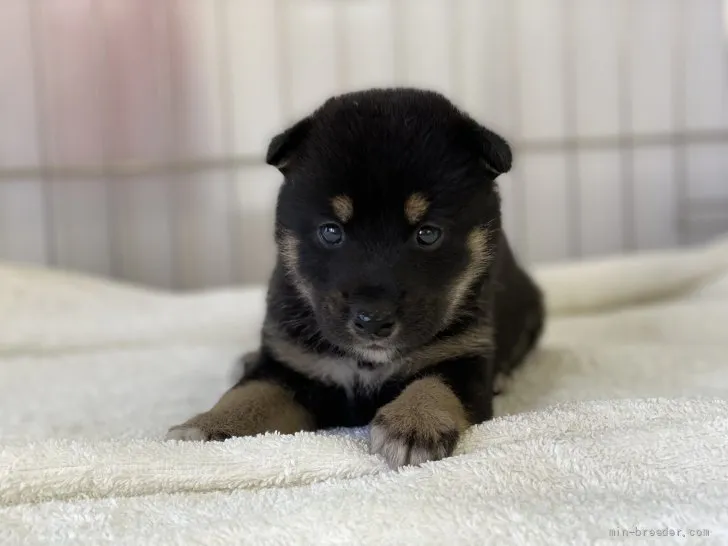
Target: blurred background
{"points": [[132, 131]]}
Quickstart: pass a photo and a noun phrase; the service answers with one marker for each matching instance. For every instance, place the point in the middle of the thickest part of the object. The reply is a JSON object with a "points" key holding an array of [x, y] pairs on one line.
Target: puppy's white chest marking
{"points": [[342, 372], [347, 373]]}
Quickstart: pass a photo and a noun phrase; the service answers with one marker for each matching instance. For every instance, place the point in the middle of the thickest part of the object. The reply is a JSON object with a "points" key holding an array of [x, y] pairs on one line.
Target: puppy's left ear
{"points": [[283, 147], [492, 148]]}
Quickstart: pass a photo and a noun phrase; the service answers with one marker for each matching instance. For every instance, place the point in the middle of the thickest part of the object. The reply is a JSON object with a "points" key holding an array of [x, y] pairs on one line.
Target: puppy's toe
{"points": [[196, 433], [185, 433], [394, 450]]}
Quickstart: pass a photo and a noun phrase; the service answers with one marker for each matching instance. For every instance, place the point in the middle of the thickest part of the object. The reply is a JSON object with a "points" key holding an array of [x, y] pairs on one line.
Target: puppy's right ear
{"points": [[283, 147]]}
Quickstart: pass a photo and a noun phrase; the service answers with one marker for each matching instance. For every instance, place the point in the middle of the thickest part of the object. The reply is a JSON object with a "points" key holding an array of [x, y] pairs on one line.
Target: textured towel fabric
{"points": [[614, 431]]}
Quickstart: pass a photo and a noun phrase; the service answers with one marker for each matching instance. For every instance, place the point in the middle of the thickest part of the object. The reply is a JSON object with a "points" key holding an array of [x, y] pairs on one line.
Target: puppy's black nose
{"points": [[372, 322]]}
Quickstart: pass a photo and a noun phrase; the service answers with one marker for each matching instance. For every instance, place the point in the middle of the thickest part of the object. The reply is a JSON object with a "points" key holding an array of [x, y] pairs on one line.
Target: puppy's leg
{"points": [[425, 421], [250, 408]]}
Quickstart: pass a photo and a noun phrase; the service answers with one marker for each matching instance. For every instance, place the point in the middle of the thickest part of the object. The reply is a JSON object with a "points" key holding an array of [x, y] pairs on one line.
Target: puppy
{"points": [[395, 300]]}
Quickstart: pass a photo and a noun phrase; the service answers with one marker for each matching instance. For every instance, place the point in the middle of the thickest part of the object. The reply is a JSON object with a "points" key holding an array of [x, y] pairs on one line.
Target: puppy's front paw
{"points": [[195, 433], [252, 408], [411, 444], [422, 424]]}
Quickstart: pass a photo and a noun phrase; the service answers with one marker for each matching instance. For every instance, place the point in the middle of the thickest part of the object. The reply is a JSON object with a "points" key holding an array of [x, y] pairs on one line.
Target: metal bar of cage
{"points": [[228, 105], [43, 172], [172, 190], [131, 169], [97, 13], [519, 191], [571, 152], [626, 154], [680, 160]]}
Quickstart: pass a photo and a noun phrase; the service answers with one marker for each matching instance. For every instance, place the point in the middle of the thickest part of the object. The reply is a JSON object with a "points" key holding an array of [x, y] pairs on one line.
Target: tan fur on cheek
{"points": [[343, 208], [288, 249], [480, 257], [415, 208], [476, 340], [252, 408], [288, 245]]}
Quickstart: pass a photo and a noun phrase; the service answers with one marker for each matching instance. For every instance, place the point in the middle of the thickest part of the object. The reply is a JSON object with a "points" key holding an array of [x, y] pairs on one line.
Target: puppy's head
{"points": [[387, 216]]}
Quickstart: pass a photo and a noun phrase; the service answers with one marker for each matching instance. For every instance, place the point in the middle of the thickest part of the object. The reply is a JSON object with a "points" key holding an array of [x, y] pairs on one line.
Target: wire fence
{"points": [[615, 109]]}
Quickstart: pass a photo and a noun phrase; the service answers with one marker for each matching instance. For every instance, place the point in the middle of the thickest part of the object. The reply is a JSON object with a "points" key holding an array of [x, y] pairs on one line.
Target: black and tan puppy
{"points": [[396, 300]]}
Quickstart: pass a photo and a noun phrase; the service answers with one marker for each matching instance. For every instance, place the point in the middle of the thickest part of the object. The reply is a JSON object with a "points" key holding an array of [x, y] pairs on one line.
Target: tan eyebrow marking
{"points": [[416, 207], [343, 207]]}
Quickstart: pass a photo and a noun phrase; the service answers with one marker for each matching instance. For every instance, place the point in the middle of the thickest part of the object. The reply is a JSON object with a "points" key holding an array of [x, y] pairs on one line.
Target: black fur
{"points": [[378, 148]]}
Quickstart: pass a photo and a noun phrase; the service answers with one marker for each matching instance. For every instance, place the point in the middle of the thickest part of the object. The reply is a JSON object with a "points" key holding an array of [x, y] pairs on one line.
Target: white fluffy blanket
{"points": [[618, 425]]}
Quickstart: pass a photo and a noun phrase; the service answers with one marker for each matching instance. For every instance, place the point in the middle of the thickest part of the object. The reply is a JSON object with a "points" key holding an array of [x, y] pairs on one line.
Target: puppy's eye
{"points": [[427, 236], [331, 234]]}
